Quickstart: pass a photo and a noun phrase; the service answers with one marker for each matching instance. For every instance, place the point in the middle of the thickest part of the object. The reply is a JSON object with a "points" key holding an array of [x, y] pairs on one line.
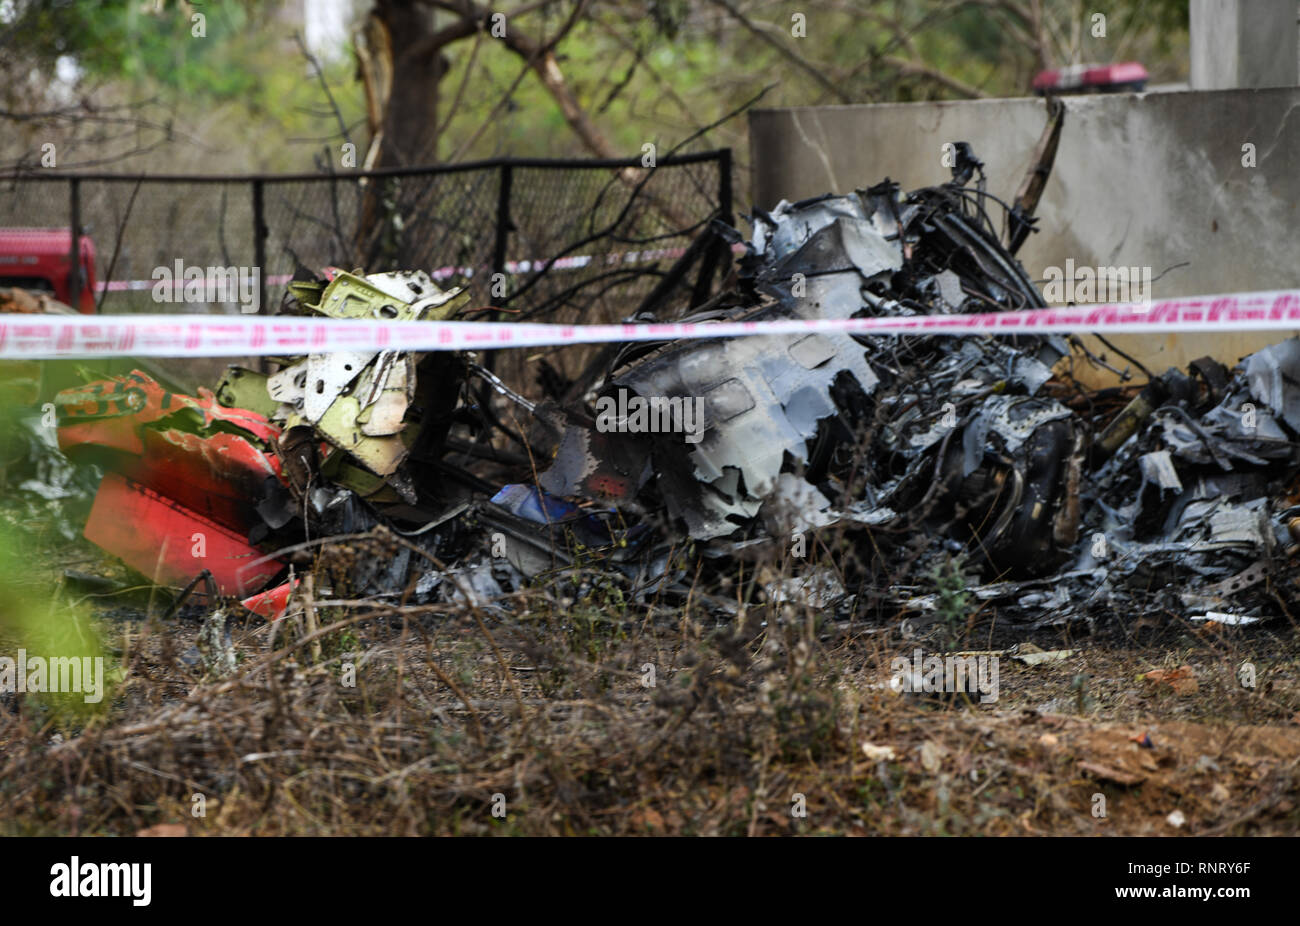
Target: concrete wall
{"points": [[1243, 43], [1152, 179]]}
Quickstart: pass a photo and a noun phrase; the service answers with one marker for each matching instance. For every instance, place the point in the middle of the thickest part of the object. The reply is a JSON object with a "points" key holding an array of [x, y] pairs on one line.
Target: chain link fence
{"points": [[562, 240]]}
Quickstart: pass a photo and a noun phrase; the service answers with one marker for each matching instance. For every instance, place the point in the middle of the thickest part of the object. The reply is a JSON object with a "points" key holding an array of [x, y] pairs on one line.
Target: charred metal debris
{"points": [[425, 477]]}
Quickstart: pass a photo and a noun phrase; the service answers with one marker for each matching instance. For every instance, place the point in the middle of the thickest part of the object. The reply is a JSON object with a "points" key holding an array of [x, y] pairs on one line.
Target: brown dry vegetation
{"points": [[547, 707]]}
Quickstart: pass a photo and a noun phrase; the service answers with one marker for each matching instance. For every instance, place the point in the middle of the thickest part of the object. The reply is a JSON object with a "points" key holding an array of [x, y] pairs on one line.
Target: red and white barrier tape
{"points": [[512, 267], [120, 286], [81, 336]]}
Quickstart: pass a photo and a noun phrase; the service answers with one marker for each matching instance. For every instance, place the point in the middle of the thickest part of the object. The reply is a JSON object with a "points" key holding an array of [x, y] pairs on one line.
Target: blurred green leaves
{"points": [[34, 623], [35, 479], [132, 40]]}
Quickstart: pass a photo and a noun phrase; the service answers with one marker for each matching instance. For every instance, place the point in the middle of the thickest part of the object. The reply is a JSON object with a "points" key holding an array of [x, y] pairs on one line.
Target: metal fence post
{"points": [[259, 245], [262, 365], [724, 186], [74, 257], [503, 228], [714, 260]]}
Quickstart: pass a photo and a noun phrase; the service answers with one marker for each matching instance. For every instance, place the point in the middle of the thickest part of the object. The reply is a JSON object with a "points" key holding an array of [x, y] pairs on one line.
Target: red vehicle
{"points": [[38, 259]]}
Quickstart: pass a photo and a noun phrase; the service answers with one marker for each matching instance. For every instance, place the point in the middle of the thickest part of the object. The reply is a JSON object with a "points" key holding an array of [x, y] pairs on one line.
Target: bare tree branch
{"points": [[918, 69], [325, 87], [786, 52]]}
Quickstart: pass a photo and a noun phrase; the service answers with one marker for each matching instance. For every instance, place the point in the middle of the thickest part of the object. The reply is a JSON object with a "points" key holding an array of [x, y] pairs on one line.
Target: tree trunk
{"points": [[411, 117]]}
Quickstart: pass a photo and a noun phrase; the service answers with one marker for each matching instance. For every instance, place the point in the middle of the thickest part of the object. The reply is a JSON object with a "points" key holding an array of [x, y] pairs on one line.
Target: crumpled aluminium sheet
{"points": [[1272, 374], [1196, 493], [767, 400], [1193, 510], [766, 409]]}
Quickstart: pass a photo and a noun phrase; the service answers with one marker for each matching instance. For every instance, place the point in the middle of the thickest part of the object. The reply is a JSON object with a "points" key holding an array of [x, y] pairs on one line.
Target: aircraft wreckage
{"points": [[685, 456]]}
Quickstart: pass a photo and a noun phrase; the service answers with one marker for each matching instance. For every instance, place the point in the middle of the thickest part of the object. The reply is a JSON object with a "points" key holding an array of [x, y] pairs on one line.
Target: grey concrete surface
{"points": [[1243, 43]]}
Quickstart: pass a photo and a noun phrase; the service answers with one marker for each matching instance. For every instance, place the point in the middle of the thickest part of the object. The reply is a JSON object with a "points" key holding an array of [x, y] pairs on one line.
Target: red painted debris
{"points": [[220, 477], [170, 544], [272, 603], [111, 413], [179, 466]]}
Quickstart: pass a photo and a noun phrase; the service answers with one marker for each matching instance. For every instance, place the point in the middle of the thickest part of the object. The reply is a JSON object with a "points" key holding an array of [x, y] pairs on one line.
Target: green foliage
{"points": [[245, 70], [133, 41], [33, 626], [34, 623], [952, 589], [651, 72], [669, 15]]}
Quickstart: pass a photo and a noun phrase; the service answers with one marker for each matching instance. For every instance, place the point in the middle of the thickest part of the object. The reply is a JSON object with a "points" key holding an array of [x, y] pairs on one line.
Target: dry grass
{"points": [[545, 707]]}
